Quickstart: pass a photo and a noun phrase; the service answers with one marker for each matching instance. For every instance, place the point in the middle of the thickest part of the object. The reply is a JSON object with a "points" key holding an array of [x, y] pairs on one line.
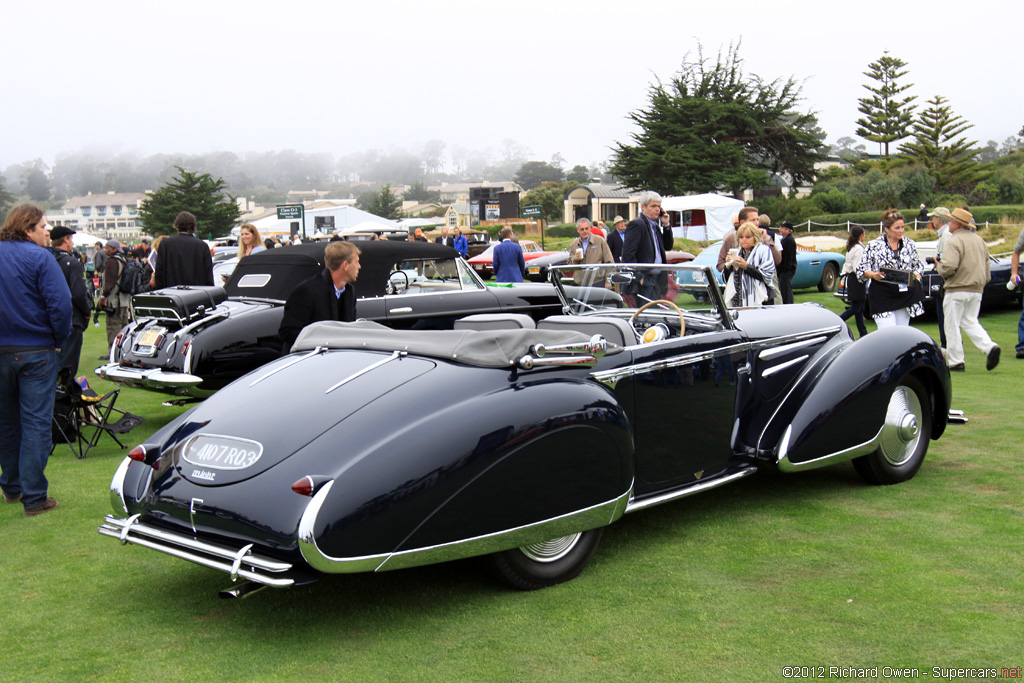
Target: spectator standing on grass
{"points": [[787, 264], [460, 243], [747, 213], [112, 301], [588, 248], [922, 215], [1015, 278], [965, 270], [99, 261], [507, 260], [940, 218], [856, 292], [184, 259], [617, 238], [330, 295], [81, 302], [35, 319], [646, 241]]}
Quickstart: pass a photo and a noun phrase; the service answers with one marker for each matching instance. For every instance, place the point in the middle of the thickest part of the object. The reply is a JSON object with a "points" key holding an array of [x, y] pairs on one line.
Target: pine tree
{"points": [[887, 118], [939, 145], [385, 204], [197, 193], [714, 128]]}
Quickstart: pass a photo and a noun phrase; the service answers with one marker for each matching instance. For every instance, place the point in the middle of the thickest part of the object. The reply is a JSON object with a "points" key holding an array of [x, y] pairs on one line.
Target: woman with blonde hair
{"points": [[885, 260], [249, 241], [749, 272]]}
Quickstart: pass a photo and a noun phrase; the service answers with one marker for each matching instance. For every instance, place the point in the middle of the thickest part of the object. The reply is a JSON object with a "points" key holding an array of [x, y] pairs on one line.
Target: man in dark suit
{"points": [[646, 241], [81, 300], [445, 239], [184, 259], [329, 295], [615, 239]]}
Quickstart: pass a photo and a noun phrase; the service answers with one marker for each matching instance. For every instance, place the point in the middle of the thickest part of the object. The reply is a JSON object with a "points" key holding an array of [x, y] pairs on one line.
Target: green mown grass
{"points": [[732, 585]]}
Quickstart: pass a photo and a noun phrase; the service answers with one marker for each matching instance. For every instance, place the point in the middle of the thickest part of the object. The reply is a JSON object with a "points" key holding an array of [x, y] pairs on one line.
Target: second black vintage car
{"points": [[191, 341], [517, 441]]}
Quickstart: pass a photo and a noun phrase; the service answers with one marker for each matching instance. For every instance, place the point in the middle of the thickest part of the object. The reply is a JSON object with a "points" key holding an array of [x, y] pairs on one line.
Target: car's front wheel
{"points": [[544, 564], [829, 277], [904, 439]]}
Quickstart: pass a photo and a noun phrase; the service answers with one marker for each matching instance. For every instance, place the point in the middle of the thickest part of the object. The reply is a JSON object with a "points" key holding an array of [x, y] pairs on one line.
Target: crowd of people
{"points": [[48, 299]]}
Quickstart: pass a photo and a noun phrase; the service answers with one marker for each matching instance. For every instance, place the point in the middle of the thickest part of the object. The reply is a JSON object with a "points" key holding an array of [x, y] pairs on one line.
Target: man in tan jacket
{"points": [[964, 266], [589, 248]]}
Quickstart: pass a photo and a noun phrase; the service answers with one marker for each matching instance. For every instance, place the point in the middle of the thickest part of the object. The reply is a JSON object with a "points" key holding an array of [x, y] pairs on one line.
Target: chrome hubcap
{"points": [[901, 433], [550, 551]]}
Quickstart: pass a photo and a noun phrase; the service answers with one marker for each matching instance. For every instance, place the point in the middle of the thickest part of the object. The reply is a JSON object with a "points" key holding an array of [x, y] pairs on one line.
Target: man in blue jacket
{"points": [[509, 264], [35, 319]]}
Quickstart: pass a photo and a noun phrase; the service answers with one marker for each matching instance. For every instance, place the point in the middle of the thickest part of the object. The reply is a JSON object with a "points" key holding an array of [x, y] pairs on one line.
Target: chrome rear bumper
{"points": [[238, 562], [155, 378]]}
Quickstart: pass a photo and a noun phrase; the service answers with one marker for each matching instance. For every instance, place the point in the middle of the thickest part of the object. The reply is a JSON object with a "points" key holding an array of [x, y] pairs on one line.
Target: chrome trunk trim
{"points": [[688, 490], [394, 356], [293, 361], [240, 563], [595, 516]]}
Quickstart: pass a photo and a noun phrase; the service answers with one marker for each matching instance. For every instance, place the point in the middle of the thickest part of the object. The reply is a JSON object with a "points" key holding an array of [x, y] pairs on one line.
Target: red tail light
{"points": [[117, 340], [310, 484], [184, 347], [138, 454], [304, 486]]}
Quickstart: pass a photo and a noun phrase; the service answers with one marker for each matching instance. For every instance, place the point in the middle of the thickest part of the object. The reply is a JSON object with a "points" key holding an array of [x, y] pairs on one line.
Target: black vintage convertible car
{"points": [[191, 341], [519, 441]]}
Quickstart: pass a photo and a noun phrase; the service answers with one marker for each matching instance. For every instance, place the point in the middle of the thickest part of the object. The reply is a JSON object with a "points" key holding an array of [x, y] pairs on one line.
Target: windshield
{"points": [[417, 276], [584, 290]]}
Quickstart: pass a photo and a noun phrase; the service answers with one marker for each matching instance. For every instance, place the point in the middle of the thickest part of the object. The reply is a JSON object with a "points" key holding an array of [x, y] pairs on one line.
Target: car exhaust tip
{"points": [[241, 591]]}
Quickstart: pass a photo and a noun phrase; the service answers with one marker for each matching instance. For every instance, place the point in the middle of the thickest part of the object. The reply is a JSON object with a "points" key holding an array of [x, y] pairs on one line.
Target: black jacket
{"points": [[639, 245], [788, 264], [74, 273], [615, 244], [183, 260], [313, 301]]}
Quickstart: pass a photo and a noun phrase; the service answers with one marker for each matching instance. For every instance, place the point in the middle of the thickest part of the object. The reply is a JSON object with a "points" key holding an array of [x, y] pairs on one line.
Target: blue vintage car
{"points": [[813, 268], [516, 439]]}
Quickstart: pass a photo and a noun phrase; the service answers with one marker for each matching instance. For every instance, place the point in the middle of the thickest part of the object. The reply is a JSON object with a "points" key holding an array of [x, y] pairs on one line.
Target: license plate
{"points": [[534, 270], [150, 335], [478, 266], [222, 452]]}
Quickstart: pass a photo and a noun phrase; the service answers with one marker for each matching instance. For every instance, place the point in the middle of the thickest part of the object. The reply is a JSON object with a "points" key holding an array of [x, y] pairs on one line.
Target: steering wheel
{"points": [[682, 322]]}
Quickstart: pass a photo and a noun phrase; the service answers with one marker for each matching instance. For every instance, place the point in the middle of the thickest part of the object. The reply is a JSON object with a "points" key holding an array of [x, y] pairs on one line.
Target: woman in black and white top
{"points": [[856, 291], [891, 303]]}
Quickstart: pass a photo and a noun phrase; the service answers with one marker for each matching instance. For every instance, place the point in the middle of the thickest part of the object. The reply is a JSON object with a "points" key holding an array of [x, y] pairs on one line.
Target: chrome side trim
{"points": [[394, 356], [782, 366], [687, 490], [214, 315], [238, 562], [293, 361], [595, 516], [785, 465], [117, 500], [618, 374], [768, 354]]}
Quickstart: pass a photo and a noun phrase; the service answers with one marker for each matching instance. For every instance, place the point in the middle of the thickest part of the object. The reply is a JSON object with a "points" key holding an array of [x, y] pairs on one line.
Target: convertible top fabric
{"points": [[486, 349]]}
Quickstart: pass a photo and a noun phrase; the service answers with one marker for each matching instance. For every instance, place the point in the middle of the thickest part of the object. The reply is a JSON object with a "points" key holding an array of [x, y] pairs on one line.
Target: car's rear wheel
{"points": [[544, 564], [904, 439], [829, 277]]}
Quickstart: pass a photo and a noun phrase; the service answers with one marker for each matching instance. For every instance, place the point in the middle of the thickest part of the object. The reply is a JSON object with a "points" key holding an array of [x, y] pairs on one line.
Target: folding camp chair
{"points": [[77, 409]]}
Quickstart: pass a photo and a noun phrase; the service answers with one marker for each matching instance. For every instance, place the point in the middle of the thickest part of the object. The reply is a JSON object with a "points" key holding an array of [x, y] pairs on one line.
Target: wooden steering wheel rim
{"points": [[682, 322]]}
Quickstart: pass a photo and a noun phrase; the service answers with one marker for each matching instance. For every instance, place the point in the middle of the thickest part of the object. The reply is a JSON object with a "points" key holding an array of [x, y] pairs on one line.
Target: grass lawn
{"points": [[813, 569]]}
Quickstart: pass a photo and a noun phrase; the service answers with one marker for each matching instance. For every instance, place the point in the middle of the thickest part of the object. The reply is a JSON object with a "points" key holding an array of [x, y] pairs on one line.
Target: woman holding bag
{"points": [[892, 302]]}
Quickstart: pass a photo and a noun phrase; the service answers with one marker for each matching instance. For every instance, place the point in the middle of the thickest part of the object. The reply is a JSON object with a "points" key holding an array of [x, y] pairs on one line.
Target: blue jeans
{"points": [[28, 385], [1020, 333]]}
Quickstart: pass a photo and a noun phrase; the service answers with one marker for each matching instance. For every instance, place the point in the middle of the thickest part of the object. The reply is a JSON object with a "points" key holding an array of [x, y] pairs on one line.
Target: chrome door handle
{"points": [[404, 309]]}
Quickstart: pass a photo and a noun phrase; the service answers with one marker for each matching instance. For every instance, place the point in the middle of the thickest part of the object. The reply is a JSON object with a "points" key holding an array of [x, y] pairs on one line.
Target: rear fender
{"points": [[539, 455], [836, 409]]}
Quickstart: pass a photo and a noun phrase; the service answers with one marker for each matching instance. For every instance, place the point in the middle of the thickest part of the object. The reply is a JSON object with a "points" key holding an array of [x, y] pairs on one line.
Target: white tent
{"points": [[718, 213]]}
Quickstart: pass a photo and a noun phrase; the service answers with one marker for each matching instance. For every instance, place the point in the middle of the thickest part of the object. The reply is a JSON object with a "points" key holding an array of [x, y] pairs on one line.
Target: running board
{"points": [[687, 490]]}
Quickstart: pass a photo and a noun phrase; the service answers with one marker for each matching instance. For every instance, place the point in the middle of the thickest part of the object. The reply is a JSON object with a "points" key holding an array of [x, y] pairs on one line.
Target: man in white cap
{"points": [[940, 218], [965, 268], [616, 239]]}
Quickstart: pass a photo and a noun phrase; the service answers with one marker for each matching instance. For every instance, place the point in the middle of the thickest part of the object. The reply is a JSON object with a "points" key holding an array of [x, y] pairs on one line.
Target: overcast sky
{"points": [[554, 76]]}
